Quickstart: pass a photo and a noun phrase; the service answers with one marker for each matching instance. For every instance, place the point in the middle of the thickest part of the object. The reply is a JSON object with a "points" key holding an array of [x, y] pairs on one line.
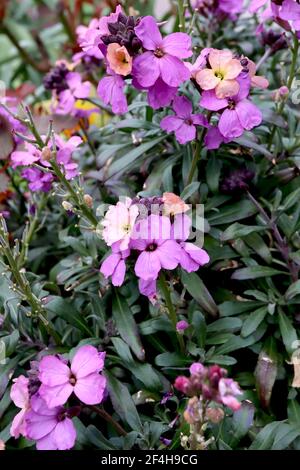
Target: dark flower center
{"points": [[72, 379], [188, 121], [61, 415], [151, 247], [159, 53], [231, 104]]}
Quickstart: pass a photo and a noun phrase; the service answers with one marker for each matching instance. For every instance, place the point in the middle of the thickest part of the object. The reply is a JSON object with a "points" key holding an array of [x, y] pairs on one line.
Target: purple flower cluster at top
{"points": [[284, 12], [42, 396], [211, 383], [156, 241], [38, 179], [220, 9]]}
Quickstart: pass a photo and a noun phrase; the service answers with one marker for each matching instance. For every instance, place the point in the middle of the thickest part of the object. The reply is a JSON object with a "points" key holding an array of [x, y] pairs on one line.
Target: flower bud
{"points": [[215, 415], [67, 206], [46, 154], [181, 326], [88, 200], [182, 384], [2, 445]]}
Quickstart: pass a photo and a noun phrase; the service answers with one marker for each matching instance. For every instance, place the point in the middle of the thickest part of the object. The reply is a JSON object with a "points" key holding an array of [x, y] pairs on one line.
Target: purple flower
{"points": [[184, 122], [181, 326], [114, 265], [191, 256], [59, 380], [52, 429], [38, 180], [20, 396], [76, 90], [152, 238], [163, 56], [149, 289], [111, 91], [159, 95], [239, 113], [65, 150], [290, 11]]}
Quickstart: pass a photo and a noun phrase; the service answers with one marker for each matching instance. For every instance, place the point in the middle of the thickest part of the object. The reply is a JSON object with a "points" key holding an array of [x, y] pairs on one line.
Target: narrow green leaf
{"points": [[196, 288], [253, 321]]}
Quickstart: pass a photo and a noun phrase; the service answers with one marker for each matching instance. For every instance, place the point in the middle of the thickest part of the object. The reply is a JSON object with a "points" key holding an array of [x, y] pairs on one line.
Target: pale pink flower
{"points": [[257, 81], [222, 75], [20, 396], [119, 222], [59, 380]]}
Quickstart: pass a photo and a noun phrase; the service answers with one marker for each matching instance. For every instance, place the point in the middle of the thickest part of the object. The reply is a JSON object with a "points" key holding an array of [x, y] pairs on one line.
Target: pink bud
{"points": [[181, 326]]}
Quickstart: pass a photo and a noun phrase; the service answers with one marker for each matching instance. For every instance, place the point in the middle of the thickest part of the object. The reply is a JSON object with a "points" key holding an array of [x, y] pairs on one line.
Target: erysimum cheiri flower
{"points": [[157, 241], [42, 394], [286, 13]]}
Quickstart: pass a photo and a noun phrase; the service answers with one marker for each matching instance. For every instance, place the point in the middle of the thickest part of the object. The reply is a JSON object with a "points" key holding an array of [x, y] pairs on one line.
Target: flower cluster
{"points": [[38, 177], [154, 232], [220, 9], [284, 12], [66, 87], [43, 394], [211, 383]]}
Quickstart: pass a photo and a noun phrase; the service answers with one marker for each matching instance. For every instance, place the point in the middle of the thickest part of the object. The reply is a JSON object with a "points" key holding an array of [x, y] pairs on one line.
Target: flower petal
{"points": [[249, 115], [206, 79], [90, 389], [185, 133], [229, 124], [182, 107], [170, 123], [146, 69], [147, 266], [55, 396], [87, 360], [227, 88], [64, 434], [211, 102], [178, 45], [147, 31], [52, 371], [173, 71]]}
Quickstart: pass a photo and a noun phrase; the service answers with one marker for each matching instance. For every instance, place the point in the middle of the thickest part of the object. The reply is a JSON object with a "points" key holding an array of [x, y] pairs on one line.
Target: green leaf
{"points": [[237, 230], [231, 213], [291, 200], [123, 162], [225, 324], [230, 308], [288, 332], [255, 272], [171, 360], [265, 438], [189, 190], [253, 321], [123, 403], [126, 325], [196, 288], [97, 439], [293, 290], [285, 435], [294, 412], [213, 171], [198, 321], [64, 309], [253, 145], [241, 422]]}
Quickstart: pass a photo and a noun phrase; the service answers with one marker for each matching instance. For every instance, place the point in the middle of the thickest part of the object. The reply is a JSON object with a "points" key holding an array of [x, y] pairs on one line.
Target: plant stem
{"points": [[181, 15], [109, 419], [289, 84], [39, 66], [196, 156], [282, 245], [172, 313]]}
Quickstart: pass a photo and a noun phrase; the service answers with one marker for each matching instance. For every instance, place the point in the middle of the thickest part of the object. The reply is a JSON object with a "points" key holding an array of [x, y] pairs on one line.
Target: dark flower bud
{"points": [[274, 40], [237, 181], [56, 78]]}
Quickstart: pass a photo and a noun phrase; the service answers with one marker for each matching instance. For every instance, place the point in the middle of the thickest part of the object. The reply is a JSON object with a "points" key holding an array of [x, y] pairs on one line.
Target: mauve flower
{"points": [[76, 90], [159, 95], [200, 63], [191, 256], [114, 265], [163, 56], [173, 204], [222, 75], [239, 113], [52, 429], [181, 326], [38, 180], [197, 368], [149, 289], [119, 223], [59, 380], [290, 11], [228, 390], [20, 396], [184, 122], [213, 138], [111, 91], [182, 384], [89, 38], [25, 157], [65, 149], [152, 237], [119, 59]]}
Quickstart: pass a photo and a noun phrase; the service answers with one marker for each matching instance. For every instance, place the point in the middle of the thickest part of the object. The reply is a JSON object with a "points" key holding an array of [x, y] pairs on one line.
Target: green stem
{"points": [[289, 84], [172, 313], [89, 215], [196, 157], [181, 12]]}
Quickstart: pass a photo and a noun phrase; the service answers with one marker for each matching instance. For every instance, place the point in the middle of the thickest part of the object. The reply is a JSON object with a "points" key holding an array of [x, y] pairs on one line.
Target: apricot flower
{"points": [[119, 59], [221, 77]]}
